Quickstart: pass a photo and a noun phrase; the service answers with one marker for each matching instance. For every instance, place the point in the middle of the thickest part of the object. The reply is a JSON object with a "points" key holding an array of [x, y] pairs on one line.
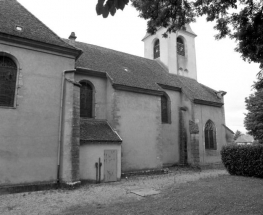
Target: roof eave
{"points": [[137, 90], [83, 141], [168, 87], [90, 72], [228, 129], [209, 103], [41, 45]]}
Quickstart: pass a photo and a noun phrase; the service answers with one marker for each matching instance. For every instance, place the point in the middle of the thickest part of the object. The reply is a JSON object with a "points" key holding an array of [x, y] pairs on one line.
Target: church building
{"points": [[72, 111]]}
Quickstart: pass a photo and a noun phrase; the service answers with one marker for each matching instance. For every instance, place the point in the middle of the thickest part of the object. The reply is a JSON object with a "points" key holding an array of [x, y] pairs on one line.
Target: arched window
{"points": [[8, 73], [165, 108], [180, 46], [156, 49], [210, 135], [86, 100]]}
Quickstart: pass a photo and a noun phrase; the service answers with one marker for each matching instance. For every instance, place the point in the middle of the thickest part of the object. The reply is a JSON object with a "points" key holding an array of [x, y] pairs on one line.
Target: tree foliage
{"points": [[110, 6], [237, 134], [254, 118], [241, 20]]}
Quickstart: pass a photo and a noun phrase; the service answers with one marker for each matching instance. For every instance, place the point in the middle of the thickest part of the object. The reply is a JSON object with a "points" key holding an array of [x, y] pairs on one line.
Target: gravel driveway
{"points": [[56, 201]]}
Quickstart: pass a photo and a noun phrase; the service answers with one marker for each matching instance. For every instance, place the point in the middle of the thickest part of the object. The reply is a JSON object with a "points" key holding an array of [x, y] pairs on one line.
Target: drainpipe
{"points": [[60, 122]]}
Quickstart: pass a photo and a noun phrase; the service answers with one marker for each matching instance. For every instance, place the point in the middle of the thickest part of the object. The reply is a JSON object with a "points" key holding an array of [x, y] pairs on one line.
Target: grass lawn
{"points": [[220, 195]]}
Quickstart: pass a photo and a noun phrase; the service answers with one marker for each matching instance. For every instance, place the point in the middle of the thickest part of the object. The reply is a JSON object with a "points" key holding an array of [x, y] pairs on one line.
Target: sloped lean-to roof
{"points": [[18, 25], [98, 131], [245, 138], [129, 72]]}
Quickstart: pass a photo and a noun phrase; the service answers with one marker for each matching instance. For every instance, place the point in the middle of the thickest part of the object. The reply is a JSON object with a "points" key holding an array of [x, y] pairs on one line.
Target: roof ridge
{"points": [[31, 14]]}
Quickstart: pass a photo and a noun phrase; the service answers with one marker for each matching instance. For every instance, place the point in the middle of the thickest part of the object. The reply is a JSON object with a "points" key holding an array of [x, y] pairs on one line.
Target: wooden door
{"points": [[110, 165]]}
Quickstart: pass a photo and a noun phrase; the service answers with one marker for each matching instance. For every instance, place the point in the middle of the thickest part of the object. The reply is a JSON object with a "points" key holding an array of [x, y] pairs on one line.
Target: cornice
{"points": [[100, 141], [40, 45], [89, 72], [167, 87], [137, 90], [209, 103]]}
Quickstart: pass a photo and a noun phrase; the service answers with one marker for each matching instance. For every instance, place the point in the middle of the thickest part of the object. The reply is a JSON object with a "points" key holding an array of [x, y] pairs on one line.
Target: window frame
{"points": [[180, 43], [14, 106], [92, 99], [156, 46], [168, 109], [210, 135]]}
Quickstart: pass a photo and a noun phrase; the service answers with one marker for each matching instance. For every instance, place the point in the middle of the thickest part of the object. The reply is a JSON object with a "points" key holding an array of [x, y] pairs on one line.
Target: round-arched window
{"points": [[86, 100], [8, 73], [156, 49], [180, 46]]}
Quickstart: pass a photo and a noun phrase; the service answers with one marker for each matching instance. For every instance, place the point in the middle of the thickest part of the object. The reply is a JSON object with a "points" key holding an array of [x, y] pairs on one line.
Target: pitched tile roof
{"points": [[139, 72], [97, 131], [13, 14], [245, 138]]}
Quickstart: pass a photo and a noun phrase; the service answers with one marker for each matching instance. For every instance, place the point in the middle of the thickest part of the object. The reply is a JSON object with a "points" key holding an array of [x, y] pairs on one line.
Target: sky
{"points": [[218, 65]]}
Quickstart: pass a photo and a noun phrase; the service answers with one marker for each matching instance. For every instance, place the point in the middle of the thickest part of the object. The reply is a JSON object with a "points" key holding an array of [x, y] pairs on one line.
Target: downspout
{"points": [[176, 35], [60, 122]]}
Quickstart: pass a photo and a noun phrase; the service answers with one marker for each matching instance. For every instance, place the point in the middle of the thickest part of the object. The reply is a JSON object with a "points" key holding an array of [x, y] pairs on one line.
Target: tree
{"points": [[237, 134], [241, 20], [110, 6], [254, 118]]}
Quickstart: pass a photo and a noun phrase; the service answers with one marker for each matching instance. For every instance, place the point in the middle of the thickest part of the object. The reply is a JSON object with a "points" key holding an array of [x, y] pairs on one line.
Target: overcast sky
{"points": [[218, 65]]}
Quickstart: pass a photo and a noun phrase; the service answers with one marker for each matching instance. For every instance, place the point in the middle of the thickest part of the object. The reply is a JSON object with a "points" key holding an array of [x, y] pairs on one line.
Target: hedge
{"points": [[243, 160]]}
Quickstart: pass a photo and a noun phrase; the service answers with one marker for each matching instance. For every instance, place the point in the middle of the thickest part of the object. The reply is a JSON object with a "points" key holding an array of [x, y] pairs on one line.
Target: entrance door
{"points": [[110, 165]]}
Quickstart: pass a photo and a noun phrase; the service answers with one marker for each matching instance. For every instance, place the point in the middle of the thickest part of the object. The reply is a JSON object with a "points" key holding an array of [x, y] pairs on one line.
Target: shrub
{"points": [[246, 160]]}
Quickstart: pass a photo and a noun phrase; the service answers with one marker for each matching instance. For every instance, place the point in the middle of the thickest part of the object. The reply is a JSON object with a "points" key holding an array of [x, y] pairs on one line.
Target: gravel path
{"points": [[55, 201]]}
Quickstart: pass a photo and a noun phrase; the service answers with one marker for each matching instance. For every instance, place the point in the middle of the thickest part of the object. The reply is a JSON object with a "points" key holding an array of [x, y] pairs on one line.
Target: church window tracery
{"points": [[8, 76], [210, 135], [86, 100], [156, 49], [180, 46]]}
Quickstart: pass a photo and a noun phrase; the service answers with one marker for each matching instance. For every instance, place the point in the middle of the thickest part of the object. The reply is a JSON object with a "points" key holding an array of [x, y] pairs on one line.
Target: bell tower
{"points": [[176, 52]]}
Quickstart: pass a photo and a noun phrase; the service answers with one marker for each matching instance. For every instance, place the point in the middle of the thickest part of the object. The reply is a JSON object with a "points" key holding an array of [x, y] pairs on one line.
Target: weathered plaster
{"points": [[203, 113], [100, 87], [90, 154], [31, 128], [137, 118], [168, 52], [170, 132]]}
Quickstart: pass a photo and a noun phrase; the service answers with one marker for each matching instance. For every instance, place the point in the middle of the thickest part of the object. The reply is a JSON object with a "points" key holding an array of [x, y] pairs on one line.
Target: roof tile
{"points": [[13, 14], [134, 71], [97, 131]]}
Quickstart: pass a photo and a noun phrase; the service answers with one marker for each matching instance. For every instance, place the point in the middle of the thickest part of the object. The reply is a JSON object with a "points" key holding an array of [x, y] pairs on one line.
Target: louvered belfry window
{"points": [[180, 46], [210, 135], [86, 100], [156, 49], [8, 73], [164, 107]]}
